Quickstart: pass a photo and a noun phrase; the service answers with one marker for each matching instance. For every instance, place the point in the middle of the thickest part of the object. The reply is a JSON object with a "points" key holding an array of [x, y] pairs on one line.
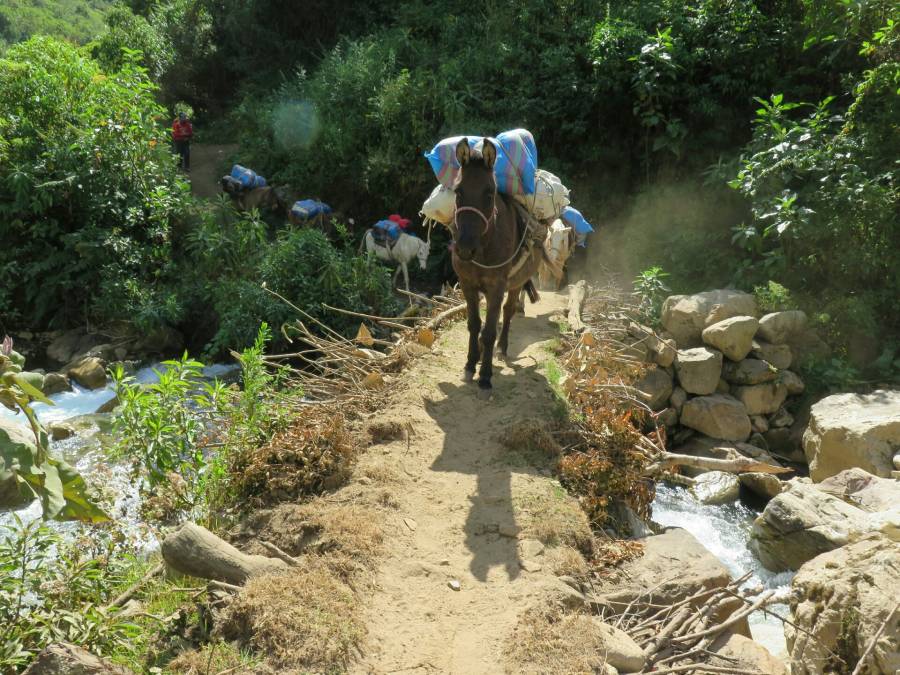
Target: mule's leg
{"points": [[406, 277], [474, 325], [520, 301], [509, 309], [488, 336], [396, 275]]}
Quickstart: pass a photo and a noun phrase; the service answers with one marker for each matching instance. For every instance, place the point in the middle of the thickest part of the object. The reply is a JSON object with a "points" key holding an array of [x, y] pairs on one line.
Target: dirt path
{"points": [[207, 166], [467, 509]]}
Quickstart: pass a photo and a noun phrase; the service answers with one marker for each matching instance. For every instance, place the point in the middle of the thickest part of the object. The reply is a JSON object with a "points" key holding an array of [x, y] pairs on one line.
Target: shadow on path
{"points": [[473, 431]]}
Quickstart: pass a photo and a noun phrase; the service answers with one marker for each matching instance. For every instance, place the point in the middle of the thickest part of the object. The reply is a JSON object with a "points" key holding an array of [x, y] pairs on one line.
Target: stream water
{"points": [[725, 532], [86, 452]]}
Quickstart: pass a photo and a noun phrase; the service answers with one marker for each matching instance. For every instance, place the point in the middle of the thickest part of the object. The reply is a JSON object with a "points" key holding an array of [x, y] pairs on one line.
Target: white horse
{"points": [[402, 252]]}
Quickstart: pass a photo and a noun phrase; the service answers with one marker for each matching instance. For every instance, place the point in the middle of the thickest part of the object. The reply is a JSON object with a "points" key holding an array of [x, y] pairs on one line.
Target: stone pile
{"points": [[723, 380]]}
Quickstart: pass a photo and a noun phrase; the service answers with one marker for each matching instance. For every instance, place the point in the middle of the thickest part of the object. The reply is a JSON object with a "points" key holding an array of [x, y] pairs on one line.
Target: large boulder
{"points": [[619, 649], [15, 439], [749, 371], [804, 521], [862, 489], [675, 565], [54, 383], [62, 658], [780, 356], [660, 351], [718, 416], [655, 388], [761, 399], [678, 399], [839, 602], [89, 372], [698, 370], [779, 327], [793, 382], [70, 344], [684, 316], [853, 430], [764, 485], [733, 337], [743, 653], [716, 487]]}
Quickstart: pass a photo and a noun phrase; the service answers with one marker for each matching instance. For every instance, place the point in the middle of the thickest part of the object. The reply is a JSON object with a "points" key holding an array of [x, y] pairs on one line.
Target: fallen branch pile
{"points": [[680, 637], [336, 366]]}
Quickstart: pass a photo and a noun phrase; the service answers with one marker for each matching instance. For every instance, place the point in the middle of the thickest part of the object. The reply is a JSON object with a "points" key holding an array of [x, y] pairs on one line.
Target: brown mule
{"points": [[489, 238]]}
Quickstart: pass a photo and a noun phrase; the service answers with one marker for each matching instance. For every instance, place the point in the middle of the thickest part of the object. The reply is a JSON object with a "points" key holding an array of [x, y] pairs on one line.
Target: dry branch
{"points": [[862, 659], [738, 465]]}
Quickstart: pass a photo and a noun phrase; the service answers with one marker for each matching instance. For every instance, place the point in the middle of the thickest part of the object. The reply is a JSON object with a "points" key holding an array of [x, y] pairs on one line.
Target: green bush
{"points": [[88, 194], [308, 271], [54, 590]]}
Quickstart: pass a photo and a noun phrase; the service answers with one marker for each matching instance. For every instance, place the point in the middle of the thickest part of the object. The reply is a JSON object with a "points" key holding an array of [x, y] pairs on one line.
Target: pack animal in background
{"points": [[515, 167], [582, 227], [247, 178], [549, 199], [390, 241], [558, 245], [306, 210]]}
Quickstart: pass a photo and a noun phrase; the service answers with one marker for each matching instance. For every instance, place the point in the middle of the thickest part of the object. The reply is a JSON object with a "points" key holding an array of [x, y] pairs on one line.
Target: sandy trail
{"points": [[207, 162], [458, 506]]}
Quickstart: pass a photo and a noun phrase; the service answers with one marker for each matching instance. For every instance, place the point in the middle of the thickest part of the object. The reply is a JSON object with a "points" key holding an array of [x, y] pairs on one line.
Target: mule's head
{"points": [[422, 253], [476, 194]]}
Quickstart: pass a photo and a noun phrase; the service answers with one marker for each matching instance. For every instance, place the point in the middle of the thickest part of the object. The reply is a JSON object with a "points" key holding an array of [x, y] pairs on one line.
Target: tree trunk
{"points": [[577, 292], [738, 465], [197, 552]]}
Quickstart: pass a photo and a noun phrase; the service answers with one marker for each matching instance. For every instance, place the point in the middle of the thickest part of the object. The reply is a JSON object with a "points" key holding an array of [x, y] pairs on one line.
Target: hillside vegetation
{"points": [[75, 20]]}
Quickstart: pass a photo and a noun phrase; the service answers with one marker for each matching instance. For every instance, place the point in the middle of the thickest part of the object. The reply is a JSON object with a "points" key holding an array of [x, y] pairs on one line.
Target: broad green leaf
{"points": [[78, 505], [23, 384]]}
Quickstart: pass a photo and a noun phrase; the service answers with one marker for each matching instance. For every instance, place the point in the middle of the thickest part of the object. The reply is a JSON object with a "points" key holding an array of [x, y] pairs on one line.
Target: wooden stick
{"points": [[435, 321], [278, 553], [224, 586], [372, 317], [703, 667], [862, 659], [129, 593], [417, 296], [733, 619]]}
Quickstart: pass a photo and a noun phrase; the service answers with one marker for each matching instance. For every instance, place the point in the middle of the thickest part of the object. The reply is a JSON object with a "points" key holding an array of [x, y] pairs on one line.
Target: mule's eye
{"points": [[488, 192]]}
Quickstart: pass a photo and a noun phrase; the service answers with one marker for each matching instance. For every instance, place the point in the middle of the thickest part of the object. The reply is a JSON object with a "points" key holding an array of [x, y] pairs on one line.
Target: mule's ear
{"points": [[489, 153], [463, 152]]}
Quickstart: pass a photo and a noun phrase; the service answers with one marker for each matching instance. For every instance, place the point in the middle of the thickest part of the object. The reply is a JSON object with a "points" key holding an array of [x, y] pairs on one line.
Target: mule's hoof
{"points": [[468, 376], [485, 393]]}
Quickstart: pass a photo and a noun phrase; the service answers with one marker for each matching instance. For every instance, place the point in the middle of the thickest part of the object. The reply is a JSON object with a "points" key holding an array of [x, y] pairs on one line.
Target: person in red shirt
{"points": [[182, 131]]}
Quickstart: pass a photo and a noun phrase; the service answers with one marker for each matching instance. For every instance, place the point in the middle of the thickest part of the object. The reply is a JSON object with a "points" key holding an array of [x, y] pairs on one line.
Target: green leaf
{"points": [[23, 384], [78, 505]]}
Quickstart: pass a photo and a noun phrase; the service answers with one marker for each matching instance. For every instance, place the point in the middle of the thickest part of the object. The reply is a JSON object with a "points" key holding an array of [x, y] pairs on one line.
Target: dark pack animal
{"points": [[492, 256]]}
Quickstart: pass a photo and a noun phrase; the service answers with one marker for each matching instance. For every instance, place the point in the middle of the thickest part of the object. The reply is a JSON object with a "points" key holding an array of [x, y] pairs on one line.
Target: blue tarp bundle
{"points": [[574, 218], [247, 178], [390, 227], [309, 208], [515, 167]]}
